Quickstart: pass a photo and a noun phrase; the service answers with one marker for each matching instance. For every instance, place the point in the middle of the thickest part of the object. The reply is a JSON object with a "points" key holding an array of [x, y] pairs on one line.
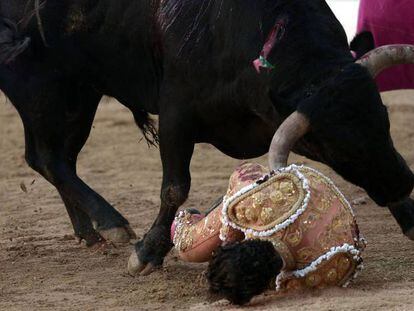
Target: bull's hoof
{"points": [[410, 234], [149, 253], [90, 239], [119, 235], [136, 267]]}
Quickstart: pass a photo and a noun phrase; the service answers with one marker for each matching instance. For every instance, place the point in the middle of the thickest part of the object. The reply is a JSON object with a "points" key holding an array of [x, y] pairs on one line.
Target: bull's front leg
{"points": [[403, 213], [176, 148]]}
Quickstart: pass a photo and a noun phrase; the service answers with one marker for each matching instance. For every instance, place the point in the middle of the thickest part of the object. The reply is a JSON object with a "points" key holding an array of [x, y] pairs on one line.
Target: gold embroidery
{"points": [[313, 280], [342, 223], [338, 231], [327, 222], [321, 180], [306, 255], [284, 252], [332, 276], [294, 238], [310, 221], [267, 215], [258, 200], [199, 230], [315, 179], [252, 213], [268, 204], [184, 233], [277, 197], [343, 264], [327, 273], [325, 204], [325, 240], [240, 213], [293, 285], [288, 188], [345, 274]]}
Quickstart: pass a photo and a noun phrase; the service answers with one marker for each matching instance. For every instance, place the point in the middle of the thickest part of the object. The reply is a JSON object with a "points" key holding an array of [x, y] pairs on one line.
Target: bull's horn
{"points": [[291, 130], [387, 56]]}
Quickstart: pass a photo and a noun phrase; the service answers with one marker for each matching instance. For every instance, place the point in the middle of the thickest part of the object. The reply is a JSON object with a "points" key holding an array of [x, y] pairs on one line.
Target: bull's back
{"points": [[106, 44]]}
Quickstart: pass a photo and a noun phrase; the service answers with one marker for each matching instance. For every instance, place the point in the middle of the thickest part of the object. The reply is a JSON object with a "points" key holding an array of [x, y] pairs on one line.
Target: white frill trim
{"points": [[293, 169], [331, 183], [223, 232], [346, 248], [180, 220]]}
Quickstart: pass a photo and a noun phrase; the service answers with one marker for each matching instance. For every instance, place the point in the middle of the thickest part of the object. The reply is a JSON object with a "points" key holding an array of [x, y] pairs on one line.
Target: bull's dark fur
{"points": [[190, 62], [242, 270], [362, 43], [11, 45]]}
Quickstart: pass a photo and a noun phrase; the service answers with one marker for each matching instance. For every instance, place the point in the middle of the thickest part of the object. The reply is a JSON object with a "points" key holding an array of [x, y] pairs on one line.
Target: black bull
{"points": [[190, 62]]}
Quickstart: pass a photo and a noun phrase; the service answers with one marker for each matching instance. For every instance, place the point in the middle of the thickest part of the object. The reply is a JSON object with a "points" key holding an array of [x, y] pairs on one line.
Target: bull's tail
{"points": [[11, 45], [147, 126]]}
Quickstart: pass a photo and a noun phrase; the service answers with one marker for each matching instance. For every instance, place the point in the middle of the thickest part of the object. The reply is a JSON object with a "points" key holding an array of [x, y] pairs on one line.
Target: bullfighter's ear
{"points": [[362, 43]]}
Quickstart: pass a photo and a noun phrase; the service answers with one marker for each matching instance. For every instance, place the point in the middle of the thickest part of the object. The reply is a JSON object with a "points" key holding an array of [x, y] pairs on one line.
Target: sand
{"points": [[43, 268]]}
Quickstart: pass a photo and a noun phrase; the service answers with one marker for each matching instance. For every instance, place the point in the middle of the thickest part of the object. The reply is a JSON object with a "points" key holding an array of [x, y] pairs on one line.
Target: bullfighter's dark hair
{"points": [[242, 270]]}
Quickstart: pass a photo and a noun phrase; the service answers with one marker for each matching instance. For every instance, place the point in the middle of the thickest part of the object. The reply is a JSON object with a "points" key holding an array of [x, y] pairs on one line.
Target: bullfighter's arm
{"points": [[196, 236]]}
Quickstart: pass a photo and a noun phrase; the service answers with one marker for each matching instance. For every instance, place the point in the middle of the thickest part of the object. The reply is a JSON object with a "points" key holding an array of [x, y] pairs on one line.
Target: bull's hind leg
{"points": [[52, 149], [176, 148], [79, 118], [57, 118]]}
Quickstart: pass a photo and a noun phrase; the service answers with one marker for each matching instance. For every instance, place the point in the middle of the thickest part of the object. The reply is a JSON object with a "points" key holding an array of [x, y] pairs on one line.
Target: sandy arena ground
{"points": [[43, 268]]}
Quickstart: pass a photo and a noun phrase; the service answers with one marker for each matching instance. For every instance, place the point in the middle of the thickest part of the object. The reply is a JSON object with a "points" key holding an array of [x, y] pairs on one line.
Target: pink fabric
{"points": [[195, 218], [391, 22], [172, 230], [272, 38]]}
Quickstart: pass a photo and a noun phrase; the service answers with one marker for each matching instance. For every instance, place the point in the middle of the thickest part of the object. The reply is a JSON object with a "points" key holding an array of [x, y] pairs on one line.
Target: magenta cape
{"points": [[391, 22]]}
